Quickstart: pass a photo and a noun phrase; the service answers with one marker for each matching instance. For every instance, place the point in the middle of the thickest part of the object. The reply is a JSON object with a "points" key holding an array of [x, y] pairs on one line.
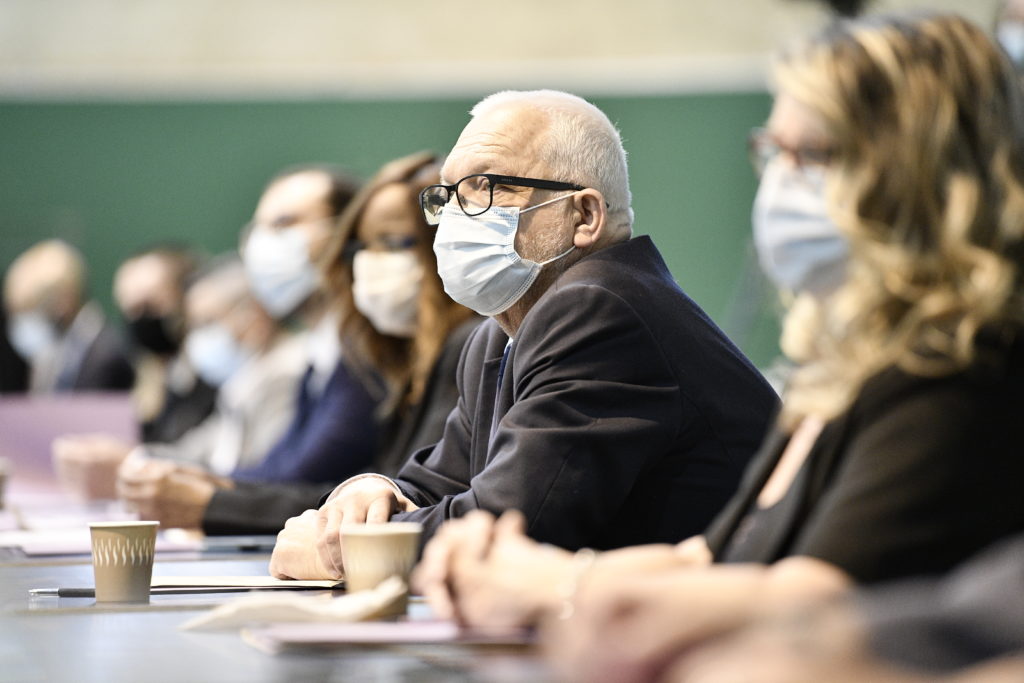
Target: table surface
{"points": [[73, 639]]}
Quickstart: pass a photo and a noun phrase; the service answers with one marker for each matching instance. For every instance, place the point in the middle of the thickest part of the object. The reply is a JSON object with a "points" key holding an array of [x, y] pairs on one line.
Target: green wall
{"points": [[111, 177]]}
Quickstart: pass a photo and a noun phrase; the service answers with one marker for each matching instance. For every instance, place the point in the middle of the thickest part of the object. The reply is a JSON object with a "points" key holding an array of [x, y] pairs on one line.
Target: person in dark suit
{"points": [[13, 370], [65, 339], [599, 399], [897, 451]]}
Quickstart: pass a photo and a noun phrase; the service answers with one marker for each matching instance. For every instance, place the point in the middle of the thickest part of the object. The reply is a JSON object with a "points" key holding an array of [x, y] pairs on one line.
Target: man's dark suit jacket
{"points": [[105, 365], [263, 508], [625, 415]]}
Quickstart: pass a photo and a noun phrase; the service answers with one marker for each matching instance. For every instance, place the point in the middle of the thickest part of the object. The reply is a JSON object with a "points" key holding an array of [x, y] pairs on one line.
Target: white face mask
{"points": [[477, 259], [386, 287], [31, 334], [279, 270], [1010, 35], [214, 353], [798, 245]]}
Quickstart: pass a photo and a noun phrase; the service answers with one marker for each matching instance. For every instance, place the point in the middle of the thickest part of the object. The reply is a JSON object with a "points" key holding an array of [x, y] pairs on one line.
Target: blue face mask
{"points": [[477, 259], [31, 334], [214, 354], [279, 270], [799, 247], [1010, 35]]}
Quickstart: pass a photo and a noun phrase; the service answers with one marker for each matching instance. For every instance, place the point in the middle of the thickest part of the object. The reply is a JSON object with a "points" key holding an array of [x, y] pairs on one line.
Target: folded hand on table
{"points": [[173, 494], [635, 629], [489, 573], [309, 546], [86, 464]]}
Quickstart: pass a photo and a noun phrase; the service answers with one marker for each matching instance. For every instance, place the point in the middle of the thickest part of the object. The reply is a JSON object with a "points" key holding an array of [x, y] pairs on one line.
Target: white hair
{"points": [[581, 144]]}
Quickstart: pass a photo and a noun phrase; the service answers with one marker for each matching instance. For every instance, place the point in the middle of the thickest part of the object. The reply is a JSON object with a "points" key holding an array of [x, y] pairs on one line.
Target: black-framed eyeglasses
{"points": [[475, 193], [764, 147]]}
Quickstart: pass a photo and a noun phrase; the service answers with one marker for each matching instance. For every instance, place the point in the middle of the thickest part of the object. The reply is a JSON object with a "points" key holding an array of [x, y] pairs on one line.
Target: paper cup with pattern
{"points": [[122, 560]]}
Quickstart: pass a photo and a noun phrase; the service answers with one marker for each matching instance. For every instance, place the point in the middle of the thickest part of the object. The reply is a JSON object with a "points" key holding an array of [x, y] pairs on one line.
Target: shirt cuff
{"points": [[367, 475]]}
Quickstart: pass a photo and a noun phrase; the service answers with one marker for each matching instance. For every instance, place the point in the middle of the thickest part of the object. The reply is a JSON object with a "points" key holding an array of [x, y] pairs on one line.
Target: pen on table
{"points": [[63, 592]]}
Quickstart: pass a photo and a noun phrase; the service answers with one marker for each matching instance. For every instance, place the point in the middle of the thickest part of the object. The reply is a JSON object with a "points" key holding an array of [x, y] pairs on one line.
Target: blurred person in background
{"points": [[294, 219], [394, 319], [65, 338], [897, 452], [1009, 31], [13, 369], [149, 290], [237, 348]]}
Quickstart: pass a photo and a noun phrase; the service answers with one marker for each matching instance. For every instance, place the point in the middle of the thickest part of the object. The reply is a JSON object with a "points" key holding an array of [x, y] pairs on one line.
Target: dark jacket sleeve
{"points": [[106, 365], [594, 405], [252, 508], [930, 475], [974, 614]]}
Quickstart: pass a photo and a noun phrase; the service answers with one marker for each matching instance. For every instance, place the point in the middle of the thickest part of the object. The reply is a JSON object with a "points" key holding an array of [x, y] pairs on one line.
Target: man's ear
{"points": [[590, 216]]}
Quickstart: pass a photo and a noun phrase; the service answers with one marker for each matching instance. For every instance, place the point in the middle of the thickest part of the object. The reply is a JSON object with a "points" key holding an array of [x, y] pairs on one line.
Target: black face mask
{"points": [[153, 332]]}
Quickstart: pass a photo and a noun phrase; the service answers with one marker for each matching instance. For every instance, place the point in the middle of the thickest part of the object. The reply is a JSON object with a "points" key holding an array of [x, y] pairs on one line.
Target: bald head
{"points": [[563, 137], [49, 276]]}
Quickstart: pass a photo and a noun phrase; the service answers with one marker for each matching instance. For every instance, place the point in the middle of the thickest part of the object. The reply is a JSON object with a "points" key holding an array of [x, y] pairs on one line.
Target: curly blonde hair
{"points": [[926, 184]]}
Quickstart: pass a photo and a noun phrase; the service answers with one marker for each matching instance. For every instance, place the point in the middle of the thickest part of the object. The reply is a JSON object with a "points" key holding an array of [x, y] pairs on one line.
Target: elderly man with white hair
{"points": [[599, 399]]}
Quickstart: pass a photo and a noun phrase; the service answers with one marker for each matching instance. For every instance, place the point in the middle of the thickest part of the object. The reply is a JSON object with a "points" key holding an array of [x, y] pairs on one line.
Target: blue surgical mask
{"points": [[31, 334], [279, 270], [798, 245], [1010, 35], [214, 353], [477, 259]]}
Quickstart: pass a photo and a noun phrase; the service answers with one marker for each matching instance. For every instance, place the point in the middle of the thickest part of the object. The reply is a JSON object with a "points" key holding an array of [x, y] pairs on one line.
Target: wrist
{"points": [[361, 477], [573, 574]]}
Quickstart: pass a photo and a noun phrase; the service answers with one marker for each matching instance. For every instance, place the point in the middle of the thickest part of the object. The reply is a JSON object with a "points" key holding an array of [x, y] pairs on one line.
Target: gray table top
{"points": [[73, 639]]}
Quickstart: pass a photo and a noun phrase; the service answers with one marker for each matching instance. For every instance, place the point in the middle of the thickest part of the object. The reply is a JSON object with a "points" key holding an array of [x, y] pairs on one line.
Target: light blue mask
{"points": [[477, 258], [279, 270], [799, 247], [214, 354], [1010, 35], [31, 334]]}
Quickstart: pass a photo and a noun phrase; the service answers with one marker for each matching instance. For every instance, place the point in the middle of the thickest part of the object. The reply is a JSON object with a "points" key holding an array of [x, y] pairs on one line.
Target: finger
{"points": [[354, 512], [430, 577], [477, 536], [512, 523], [328, 544], [379, 510]]}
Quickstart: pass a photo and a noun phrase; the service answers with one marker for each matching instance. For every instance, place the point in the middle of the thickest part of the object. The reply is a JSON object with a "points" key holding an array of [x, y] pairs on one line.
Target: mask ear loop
{"points": [[552, 201]]}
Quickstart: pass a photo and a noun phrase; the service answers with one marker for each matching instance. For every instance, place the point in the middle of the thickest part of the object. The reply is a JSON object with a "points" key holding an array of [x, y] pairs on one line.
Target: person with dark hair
{"points": [[13, 369], [395, 323], [149, 290]]}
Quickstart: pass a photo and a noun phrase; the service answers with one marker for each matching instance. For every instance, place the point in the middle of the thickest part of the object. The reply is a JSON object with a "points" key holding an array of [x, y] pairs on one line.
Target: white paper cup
{"points": [[122, 560], [374, 552]]}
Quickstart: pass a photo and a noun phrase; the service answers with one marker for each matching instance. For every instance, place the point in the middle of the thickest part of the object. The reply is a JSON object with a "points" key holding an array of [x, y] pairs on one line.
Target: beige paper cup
{"points": [[374, 552], [122, 560]]}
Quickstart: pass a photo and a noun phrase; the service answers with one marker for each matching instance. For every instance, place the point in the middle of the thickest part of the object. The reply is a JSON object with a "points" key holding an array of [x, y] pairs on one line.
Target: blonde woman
{"points": [[898, 451]]}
